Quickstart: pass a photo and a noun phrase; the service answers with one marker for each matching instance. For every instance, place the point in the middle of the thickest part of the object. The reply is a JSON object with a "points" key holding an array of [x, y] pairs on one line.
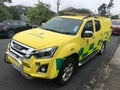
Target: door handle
{"points": [[87, 41]]}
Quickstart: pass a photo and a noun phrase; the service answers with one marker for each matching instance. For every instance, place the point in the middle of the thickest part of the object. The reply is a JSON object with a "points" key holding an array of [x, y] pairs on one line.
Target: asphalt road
{"points": [[10, 79]]}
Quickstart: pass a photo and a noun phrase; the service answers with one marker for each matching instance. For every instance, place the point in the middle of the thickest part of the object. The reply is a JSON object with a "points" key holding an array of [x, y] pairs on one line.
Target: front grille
{"points": [[19, 49]]}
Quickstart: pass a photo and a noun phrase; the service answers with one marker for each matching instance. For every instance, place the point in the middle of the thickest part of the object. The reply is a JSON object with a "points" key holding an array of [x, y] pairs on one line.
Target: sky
{"points": [[89, 4]]}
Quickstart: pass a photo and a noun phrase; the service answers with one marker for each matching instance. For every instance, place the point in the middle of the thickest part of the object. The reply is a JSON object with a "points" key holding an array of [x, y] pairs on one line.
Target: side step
{"points": [[87, 58]]}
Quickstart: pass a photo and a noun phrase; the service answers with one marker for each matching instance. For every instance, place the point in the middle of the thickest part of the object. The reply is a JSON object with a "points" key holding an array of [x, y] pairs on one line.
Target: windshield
{"points": [[116, 22], [63, 25]]}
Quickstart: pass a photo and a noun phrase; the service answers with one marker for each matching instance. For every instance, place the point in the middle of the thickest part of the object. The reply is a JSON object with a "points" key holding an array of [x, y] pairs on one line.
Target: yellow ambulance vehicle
{"points": [[57, 48]]}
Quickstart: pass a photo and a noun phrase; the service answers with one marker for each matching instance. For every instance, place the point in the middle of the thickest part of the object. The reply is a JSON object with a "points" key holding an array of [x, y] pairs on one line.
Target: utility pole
{"points": [[58, 4]]}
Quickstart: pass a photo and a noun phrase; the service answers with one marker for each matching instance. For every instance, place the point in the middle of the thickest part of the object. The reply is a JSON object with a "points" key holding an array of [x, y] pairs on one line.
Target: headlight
{"points": [[45, 53]]}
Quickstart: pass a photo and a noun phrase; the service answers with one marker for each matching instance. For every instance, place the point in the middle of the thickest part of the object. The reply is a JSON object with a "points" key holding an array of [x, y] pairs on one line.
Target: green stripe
{"points": [[59, 62], [91, 46], [84, 55], [94, 48], [81, 51], [99, 42]]}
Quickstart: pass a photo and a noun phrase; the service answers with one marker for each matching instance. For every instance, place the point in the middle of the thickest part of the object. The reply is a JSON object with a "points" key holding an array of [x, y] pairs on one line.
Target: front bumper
{"points": [[31, 71], [19, 55], [20, 67]]}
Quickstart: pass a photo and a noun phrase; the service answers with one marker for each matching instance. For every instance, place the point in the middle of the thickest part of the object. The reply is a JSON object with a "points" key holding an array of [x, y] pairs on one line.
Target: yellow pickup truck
{"points": [[57, 48]]}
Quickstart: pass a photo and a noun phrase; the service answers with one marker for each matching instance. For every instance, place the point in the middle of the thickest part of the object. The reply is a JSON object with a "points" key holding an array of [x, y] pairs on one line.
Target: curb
{"points": [[116, 58]]}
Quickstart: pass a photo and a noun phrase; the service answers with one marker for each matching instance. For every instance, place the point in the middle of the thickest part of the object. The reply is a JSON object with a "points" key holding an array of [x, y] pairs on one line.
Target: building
{"points": [[23, 12]]}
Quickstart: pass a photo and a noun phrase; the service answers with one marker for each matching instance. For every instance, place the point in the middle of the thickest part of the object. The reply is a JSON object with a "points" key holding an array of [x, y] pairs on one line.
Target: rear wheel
{"points": [[10, 33], [102, 48], [66, 71]]}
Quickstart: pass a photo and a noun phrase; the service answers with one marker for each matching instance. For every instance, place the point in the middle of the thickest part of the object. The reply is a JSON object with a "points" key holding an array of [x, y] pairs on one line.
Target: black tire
{"points": [[66, 72], [10, 33], [102, 48]]}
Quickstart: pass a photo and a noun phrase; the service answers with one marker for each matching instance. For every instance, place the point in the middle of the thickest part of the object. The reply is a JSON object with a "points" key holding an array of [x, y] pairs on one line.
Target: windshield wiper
{"points": [[50, 29], [68, 33]]}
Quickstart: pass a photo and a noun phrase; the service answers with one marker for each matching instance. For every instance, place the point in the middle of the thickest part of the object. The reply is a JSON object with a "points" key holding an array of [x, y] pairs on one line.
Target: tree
{"points": [[4, 14], [40, 13], [102, 9], [8, 12], [110, 5], [15, 13], [2, 1]]}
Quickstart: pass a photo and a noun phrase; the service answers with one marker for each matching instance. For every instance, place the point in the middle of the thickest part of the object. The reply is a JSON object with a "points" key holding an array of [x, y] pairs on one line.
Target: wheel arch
{"points": [[67, 59], [75, 56]]}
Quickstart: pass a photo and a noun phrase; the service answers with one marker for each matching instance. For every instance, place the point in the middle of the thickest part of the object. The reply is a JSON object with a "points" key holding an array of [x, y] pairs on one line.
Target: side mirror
{"points": [[87, 34]]}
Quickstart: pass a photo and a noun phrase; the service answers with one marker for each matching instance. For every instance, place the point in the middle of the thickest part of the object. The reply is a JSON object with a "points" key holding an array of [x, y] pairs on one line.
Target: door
{"points": [[98, 34], [88, 43]]}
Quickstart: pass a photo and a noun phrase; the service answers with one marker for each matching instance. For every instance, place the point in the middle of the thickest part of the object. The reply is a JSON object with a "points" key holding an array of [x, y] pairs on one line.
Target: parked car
{"points": [[116, 27], [11, 27]]}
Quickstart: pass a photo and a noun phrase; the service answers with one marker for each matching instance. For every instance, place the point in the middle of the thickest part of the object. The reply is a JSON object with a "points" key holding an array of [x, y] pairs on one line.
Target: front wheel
{"points": [[66, 71], [10, 33], [102, 48]]}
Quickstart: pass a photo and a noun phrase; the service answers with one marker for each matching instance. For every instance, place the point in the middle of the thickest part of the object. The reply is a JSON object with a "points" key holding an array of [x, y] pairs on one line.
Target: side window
{"points": [[23, 23], [88, 26], [97, 25], [16, 23]]}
